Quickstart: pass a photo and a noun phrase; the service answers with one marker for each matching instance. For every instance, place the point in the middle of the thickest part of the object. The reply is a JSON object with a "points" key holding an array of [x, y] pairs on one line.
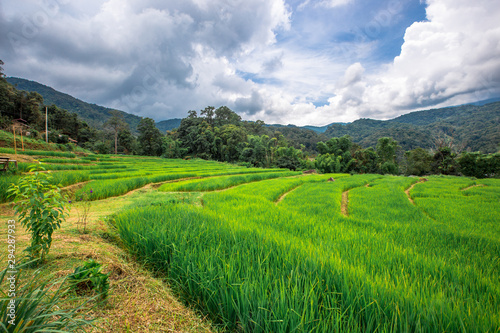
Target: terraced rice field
{"points": [[289, 254], [277, 251]]}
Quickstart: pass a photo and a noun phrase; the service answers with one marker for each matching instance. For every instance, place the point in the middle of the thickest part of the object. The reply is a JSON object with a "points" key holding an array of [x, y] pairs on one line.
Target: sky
{"points": [[302, 62]]}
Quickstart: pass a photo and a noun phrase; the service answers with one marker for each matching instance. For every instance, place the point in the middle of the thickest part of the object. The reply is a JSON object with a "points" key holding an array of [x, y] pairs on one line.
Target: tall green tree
{"points": [[233, 140], [172, 148], [225, 116], [418, 162], [289, 157], [127, 141], [386, 152], [479, 165], [444, 162], [208, 112], [365, 160], [335, 155], [116, 124], [150, 138]]}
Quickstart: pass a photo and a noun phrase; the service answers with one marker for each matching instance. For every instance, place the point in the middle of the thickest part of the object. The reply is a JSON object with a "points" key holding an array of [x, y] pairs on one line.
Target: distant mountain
{"points": [[168, 125], [318, 129], [93, 114], [486, 101], [472, 127]]}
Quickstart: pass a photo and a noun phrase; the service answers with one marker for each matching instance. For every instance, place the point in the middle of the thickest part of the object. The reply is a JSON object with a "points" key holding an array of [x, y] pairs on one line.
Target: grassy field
{"points": [[276, 251]]}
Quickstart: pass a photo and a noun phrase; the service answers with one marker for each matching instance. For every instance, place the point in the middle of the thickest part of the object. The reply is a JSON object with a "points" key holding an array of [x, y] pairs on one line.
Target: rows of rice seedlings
{"points": [[273, 189], [58, 178], [138, 173], [105, 188], [37, 152], [95, 168], [114, 174], [129, 174], [256, 278], [24, 167], [222, 182], [65, 178], [325, 198], [302, 266], [460, 208], [62, 161]]}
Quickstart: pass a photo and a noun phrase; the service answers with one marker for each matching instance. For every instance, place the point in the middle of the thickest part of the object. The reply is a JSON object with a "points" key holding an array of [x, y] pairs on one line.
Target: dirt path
{"points": [[20, 158], [407, 191], [72, 187], [286, 193], [345, 202], [478, 185]]}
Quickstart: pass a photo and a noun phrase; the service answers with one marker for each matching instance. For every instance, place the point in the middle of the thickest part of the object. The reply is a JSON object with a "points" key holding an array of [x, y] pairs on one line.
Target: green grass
{"points": [[255, 260], [301, 265]]}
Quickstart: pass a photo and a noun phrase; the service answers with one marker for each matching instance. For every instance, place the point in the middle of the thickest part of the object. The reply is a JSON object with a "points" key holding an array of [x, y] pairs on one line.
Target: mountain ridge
{"points": [[472, 126]]}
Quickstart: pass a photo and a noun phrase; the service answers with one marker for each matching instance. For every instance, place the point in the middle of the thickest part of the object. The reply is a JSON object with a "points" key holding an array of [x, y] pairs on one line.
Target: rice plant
{"points": [[217, 183], [37, 152], [301, 265]]}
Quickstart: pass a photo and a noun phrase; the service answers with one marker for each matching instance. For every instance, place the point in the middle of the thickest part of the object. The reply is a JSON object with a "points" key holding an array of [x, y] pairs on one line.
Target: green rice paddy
{"points": [[277, 251]]}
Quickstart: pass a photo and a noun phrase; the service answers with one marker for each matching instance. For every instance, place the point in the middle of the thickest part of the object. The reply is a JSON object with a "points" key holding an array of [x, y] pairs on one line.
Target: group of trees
{"points": [[342, 155], [220, 134], [63, 126]]}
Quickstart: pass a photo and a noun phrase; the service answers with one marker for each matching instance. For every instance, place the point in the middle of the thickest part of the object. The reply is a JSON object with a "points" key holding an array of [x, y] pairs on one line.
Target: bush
{"points": [[41, 208], [389, 168], [479, 165], [89, 277]]}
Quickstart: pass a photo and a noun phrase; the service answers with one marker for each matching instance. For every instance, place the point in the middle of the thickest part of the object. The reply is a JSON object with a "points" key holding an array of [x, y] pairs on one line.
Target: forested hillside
{"points": [[168, 125], [92, 114], [466, 127]]}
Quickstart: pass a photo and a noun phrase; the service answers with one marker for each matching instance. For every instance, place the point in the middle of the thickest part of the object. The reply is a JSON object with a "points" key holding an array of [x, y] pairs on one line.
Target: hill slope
{"points": [[473, 127], [168, 125], [93, 114]]}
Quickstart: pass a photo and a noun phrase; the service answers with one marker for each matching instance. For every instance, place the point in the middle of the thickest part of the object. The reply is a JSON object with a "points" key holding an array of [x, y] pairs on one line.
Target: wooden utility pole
{"points": [[46, 126], [22, 141], [15, 145]]}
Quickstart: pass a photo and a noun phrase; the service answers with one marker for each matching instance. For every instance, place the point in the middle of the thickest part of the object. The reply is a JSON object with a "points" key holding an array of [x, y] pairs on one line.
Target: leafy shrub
{"points": [[41, 208], [89, 277]]}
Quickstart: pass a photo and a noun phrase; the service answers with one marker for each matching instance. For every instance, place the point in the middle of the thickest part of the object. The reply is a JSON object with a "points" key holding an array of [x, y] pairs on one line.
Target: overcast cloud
{"points": [[301, 62]]}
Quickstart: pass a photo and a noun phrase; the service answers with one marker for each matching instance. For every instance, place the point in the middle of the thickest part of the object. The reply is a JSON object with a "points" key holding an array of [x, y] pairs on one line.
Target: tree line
{"points": [[342, 155]]}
